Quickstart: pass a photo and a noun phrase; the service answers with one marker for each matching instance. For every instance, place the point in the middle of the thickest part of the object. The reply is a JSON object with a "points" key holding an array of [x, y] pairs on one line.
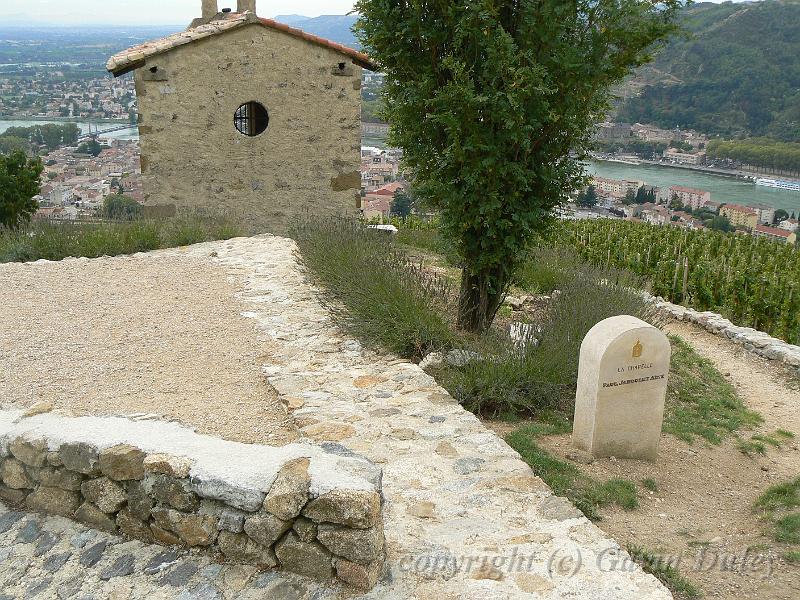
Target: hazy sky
{"points": [[150, 12]]}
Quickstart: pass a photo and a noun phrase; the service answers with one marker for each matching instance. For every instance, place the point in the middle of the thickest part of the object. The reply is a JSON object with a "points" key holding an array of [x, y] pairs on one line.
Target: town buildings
{"points": [[739, 216], [250, 116], [775, 234], [690, 197], [615, 188]]}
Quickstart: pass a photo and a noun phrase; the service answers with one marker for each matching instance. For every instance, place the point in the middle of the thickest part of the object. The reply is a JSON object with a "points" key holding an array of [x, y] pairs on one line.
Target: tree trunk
{"points": [[480, 298]]}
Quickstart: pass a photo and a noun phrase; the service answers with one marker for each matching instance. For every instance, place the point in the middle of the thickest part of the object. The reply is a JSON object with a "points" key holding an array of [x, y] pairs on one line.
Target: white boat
{"points": [[779, 183]]}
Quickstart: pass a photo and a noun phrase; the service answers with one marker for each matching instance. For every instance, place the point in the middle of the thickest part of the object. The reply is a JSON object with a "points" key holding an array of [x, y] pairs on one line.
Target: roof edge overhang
{"points": [[136, 57]]}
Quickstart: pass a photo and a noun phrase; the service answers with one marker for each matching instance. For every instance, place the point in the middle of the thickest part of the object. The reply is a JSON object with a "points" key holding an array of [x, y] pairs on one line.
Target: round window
{"points": [[251, 119]]}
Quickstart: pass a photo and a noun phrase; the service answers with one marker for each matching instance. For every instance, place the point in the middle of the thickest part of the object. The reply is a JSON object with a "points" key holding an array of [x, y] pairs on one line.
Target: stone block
{"points": [[133, 527], [31, 452], [289, 493], [80, 457], [165, 464], [191, 529], [363, 577], [305, 529], [311, 559], [139, 501], [14, 475], [54, 500], [163, 536], [266, 529], [94, 517], [12, 496], [231, 520], [175, 492], [109, 496], [60, 478], [249, 500], [356, 545], [622, 384], [122, 462], [355, 508], [239, 548]]}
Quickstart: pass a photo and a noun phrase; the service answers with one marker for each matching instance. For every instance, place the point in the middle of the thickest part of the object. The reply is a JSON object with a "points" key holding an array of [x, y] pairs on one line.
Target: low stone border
{"points": [[294, 507], [750, 339]]}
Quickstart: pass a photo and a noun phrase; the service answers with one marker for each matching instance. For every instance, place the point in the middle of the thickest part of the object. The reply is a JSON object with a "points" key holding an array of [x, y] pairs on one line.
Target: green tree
{"points": [[721, 223], [589, 198], [630, 197], [121, 208], [19, 183], [92, 148], [401, 204], [10, 143], [495, 103], [675, 202], [780, 215]]}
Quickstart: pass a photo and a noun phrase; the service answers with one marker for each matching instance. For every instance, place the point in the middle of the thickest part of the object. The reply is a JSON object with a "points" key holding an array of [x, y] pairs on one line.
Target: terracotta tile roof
{"points": [[773, 231], [135, 57], [739, 208]]}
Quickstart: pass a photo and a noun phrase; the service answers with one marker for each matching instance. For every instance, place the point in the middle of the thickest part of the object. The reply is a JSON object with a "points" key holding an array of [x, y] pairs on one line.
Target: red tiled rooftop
{"points": [[773, 231], [739, 208]]}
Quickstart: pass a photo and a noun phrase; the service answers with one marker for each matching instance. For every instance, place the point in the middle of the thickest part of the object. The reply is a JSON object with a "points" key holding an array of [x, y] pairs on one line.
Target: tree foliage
{"points": [[402, 204], [588, 198], [48, 134], [488, 98], [121, 208], [762, 152], [92, 148], [19, 183]]}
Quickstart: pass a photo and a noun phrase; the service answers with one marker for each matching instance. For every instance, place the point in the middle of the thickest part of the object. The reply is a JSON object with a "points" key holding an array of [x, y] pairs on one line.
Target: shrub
{"points": [[373, 290], [545, 376], [55, 241]]}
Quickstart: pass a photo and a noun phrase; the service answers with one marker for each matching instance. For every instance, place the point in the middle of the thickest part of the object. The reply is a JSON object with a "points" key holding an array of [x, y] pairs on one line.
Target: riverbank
{"points": [[12, 118], [85, 126], [724, 186]]}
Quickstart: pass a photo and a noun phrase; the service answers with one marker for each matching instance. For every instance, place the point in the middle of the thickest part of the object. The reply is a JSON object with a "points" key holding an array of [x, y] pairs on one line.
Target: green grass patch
{"points": [[757, 444], [56, 241], [792, 557], [700, 402], [650, 484], [787, 529], [664, 572], [564, 478], [750, 447], [781, 496], [776, 505]]}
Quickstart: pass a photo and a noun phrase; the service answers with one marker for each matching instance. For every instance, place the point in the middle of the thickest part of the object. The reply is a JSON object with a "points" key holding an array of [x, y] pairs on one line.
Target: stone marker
{"points": [[622, 382]]}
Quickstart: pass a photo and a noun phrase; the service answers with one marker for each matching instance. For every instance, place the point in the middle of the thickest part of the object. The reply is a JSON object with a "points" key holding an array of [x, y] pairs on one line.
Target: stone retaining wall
{"points": [[750, 339], [295, 507]]}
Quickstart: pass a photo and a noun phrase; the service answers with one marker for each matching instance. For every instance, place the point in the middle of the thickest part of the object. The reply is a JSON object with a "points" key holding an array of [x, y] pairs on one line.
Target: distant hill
{"points": [[337, 28], [736, 74]]}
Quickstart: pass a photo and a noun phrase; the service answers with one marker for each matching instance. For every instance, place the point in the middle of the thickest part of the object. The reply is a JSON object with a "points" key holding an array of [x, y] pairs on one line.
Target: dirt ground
{"points": [[701, 513], [157, 334]]}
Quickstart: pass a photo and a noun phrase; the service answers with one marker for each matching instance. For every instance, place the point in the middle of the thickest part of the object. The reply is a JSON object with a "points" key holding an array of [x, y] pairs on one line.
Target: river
{"points": [[126, 134], [723, 189]]}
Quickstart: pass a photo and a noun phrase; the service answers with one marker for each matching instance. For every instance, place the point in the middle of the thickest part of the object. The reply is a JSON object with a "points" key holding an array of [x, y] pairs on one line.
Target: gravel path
{"points": [[158, 333]]}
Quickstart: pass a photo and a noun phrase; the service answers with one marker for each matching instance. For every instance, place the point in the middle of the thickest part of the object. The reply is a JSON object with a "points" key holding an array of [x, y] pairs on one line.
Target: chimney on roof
{"points": [[245, 5], [210, 9]]}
